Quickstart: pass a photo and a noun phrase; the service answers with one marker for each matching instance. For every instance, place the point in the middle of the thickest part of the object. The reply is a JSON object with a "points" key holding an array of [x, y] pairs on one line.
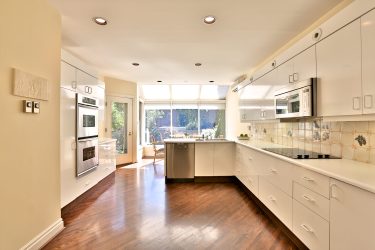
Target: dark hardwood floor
{"points": [[134, 209]]}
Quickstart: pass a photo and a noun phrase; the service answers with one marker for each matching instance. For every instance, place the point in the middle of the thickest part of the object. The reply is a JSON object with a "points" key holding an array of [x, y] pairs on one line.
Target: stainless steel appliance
{"points": [[297, 100], [180, 161], [86, 133], [297, 153], [87, 117], [87, 155]]}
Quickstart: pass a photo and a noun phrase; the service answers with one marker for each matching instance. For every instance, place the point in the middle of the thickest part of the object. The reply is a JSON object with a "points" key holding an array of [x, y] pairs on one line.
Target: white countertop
{"points": [[106, 140], [352, 172], [191, 140]]}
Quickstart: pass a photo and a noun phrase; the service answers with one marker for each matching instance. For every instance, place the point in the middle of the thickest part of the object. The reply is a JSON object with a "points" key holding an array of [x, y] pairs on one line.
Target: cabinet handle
{"points": [[333, 193], [274, 171], [74, 84], [295, 77], [273, 64], [356, 103], [306, 197], [307, 178], [250, 159], [365, 103], [271, 198], [290, 78], [307, 228], [86, 89]]}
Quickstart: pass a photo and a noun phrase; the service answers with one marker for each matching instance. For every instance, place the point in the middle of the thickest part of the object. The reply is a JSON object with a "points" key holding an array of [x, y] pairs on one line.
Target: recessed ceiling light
{"points": [[159, 81], [135, 64], [198, 64], [209, 19], [212, 81], [100, 20]]}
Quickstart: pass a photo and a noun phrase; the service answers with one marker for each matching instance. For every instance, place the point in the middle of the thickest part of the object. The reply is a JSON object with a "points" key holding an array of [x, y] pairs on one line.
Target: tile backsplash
{"points": [[348, 140]]}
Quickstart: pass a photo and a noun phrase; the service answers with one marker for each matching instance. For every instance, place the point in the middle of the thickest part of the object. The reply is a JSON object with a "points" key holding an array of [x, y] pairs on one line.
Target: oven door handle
{"points": [[88, 139]]}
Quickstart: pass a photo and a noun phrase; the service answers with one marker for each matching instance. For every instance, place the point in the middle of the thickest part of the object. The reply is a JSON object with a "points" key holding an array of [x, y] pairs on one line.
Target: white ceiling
{"points": [[168, 36]]}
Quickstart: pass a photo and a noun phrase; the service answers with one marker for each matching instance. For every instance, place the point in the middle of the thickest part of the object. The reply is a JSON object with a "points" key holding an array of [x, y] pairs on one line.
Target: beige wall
{"points": [[117, 87], [29, 148]]}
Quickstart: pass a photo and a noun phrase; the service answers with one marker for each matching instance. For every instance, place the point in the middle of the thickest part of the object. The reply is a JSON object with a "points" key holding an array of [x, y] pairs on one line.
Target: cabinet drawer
{"points": [[251, 182], [278, 172], [310, 228], [277, 201], [312, 180], [316, 202]]}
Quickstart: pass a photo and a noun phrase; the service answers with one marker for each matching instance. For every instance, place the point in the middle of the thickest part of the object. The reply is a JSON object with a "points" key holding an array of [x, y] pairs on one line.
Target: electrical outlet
{"points": [[36, 107], [27, 106]]}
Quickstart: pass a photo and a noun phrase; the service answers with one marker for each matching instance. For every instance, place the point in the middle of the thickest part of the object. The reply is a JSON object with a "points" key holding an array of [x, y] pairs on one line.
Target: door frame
{"points": [[130, 155]]}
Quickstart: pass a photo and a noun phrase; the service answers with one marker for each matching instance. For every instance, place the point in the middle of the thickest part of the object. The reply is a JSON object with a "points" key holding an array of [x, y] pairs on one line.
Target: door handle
{"points": [[307, 228], [290, 78], [356, 103], [130, 133], [295, 77], [368, 104]]}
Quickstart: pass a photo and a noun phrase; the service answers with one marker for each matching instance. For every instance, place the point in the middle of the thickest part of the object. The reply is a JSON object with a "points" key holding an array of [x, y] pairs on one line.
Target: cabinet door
{"points": [[339, 72], [223, 159], [68, 76], [352, 217], [285, 72], [67, 145], [100, 94], [304, 65], [368, 62], [204, 159], [247, 115], [86, 83]]}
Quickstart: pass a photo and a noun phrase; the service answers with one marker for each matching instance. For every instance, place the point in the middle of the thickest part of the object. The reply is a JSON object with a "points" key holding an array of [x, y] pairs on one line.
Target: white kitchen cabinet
{"points": [[223, 159], [352, 217], [107, 156], [204, 159], [299, 68], [339, 72], [368, 62], [87, 84], [214, 159], [68, 76], [277, 201], [310, 228]]}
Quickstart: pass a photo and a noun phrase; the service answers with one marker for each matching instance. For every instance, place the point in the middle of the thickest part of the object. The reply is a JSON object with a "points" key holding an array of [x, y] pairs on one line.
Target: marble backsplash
{"points": [[348, 140]]}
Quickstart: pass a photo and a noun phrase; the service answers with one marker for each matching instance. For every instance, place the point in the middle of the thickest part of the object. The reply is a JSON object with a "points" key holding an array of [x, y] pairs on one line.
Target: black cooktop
{"points": [[297, 153]]}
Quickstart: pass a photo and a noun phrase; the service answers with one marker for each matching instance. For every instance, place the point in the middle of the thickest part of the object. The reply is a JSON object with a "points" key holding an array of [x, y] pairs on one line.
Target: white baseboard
{"points": [[44, 237]]}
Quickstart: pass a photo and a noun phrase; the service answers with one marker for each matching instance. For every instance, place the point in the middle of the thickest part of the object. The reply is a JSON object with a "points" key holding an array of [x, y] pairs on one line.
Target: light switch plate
{"points": [[36, 107], [27, 106]]}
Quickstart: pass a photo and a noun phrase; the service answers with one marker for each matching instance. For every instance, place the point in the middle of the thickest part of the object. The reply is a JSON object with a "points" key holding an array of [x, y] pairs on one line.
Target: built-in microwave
{"points": [[297, 100]]}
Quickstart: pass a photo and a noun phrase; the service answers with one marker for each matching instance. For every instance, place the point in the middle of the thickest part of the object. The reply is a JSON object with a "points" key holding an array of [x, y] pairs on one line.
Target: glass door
{"points": [[119, 127]]}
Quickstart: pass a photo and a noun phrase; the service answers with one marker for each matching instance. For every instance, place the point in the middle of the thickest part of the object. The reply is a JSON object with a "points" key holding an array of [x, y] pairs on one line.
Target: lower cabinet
{"points": [[352, 217], [277, 201], [322, 212], [214, 159], [310, 228]]}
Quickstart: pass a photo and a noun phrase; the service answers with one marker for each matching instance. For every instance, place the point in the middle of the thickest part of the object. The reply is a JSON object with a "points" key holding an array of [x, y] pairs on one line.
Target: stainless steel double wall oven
{"points": [[87, 131]]}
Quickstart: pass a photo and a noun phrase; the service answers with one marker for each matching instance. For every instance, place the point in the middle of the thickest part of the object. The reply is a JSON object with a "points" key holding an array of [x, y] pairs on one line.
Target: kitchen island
{"points": [[199, 160]]}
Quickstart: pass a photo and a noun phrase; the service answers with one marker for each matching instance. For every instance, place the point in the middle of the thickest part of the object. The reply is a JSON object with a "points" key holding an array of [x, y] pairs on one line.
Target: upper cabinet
{"points": [[368, 61], [68, 76], [339, 72], [299, 68], [86, 83], [77, 80]]}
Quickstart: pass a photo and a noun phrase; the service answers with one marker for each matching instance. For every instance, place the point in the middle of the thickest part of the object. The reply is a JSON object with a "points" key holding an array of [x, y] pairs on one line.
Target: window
{"points": [[185, 120], [158, 123], [179, 120]]}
